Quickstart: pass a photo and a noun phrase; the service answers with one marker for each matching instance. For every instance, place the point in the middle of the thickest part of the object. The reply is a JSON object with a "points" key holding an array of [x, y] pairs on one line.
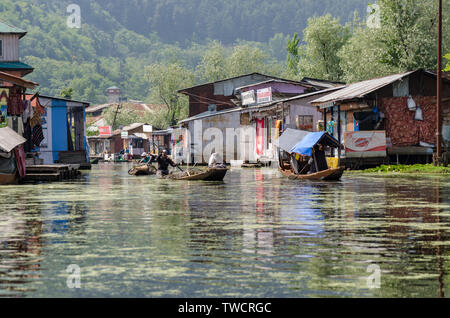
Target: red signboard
{"points": [[105, 131], [264, 95], [365, 144]]}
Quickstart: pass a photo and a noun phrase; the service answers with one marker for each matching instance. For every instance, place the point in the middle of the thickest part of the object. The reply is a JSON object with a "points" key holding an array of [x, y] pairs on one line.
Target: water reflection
{"points": [[255, 234]]}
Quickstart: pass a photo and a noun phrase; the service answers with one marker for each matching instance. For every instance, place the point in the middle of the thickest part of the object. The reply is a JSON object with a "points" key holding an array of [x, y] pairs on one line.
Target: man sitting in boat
{"points": [[320, 162], [147, 158], [215, 162], [164, 161]]}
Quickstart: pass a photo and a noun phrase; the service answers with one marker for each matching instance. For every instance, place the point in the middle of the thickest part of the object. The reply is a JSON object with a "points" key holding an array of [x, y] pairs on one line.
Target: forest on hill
{"points": [[118, 39]]}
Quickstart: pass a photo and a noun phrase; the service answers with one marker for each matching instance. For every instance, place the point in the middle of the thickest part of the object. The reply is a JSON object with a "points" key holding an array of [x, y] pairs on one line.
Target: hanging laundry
{"points": [[36, 119], [3, 120], [4, 96], [38, 135], [27, 111], [16, 124], [19, 153], [15, 103]]}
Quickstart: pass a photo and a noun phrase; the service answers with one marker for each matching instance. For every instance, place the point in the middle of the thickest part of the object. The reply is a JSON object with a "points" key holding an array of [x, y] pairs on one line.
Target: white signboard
{"points": [[147, 128], [248, 98], [124, 134], [264, 95]]}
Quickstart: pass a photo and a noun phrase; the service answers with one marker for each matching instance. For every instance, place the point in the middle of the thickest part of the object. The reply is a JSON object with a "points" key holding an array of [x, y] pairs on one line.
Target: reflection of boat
{"points": [[326, 175], [252, 165], [305, 152], [95, 161], [143, 170], [214, 174]]}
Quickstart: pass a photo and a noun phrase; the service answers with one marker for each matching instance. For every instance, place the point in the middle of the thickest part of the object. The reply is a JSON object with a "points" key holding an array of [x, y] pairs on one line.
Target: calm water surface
{"points": [[256, 234]]}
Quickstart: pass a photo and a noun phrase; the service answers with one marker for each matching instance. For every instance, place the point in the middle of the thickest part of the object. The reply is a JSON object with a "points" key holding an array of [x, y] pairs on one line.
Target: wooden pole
{"points": [[339, 132], [439, 82]]}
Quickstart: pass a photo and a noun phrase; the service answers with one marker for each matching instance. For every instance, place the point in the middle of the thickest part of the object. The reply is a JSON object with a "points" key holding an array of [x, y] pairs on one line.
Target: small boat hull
{"points": [[208, 175], [143, 170], [326, 175], [8, 179]]}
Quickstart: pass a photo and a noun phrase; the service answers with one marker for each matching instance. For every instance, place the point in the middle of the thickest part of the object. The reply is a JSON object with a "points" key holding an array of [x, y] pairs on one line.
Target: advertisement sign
{"points": [[124, 134], [147, 128], [105, 131], [264, 95], [365, 144], [248, 98]]}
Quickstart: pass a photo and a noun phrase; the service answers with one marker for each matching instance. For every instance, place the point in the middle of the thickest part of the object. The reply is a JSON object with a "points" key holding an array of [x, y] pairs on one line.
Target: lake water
{"points": [[254, 235]]}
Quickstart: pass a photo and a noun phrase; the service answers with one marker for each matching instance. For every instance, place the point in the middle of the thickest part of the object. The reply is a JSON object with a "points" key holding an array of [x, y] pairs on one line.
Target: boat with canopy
{"points": [[302, 155]]}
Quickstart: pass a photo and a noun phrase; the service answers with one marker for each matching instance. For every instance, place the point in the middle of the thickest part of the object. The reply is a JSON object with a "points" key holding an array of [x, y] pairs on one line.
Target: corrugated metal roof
{"points": [[360, 89], [6, 28], [15, 66], [17, 80], [9, 139]]}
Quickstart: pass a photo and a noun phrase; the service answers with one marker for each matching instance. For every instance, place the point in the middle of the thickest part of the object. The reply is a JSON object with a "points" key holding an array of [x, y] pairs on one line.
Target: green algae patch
{"points": [[425, 169]]}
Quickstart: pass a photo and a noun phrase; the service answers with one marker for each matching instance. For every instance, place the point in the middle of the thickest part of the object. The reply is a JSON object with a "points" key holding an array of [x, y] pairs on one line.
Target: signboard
{"points": [[264, 95], [147, 128], [248, 98], [105, 131], [124, 134], [365, 144]]}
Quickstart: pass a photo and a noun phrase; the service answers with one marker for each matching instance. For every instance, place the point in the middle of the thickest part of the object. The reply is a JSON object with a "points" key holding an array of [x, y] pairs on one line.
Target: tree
{"points": [[213, 64], [246, 59], [447, 67], [125, 116], [165, 81], [361, 57], [293, 58], [408, 32], [323, 37], [67, 93]]}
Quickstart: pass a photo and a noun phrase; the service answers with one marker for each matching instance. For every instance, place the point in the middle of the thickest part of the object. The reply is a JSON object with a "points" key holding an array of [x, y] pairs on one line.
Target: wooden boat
{"points": [[8, 179], [142, 170], [325, 175], [214, 174]]}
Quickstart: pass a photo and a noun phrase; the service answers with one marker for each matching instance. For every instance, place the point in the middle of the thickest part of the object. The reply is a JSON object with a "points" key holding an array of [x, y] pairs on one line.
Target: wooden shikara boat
{"points": [[8, 179], [325, 175], [215, 174], [143, 170]]}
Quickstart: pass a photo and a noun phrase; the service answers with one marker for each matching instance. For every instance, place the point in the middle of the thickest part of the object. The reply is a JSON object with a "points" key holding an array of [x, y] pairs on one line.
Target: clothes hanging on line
{"points": [[19, 153], [16, 124], [38, 135], [36, 119]]}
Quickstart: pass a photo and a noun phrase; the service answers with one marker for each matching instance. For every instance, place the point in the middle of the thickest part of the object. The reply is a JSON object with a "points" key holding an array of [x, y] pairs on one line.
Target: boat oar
{"points": [[183, 171]]}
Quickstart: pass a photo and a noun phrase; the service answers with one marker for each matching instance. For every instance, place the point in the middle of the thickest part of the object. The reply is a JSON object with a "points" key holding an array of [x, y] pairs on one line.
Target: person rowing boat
{"points": [[164, 161]]}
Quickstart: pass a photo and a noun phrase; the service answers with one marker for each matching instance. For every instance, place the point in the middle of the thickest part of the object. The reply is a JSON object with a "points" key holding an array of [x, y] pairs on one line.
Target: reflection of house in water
{"points": [[21, 245]]}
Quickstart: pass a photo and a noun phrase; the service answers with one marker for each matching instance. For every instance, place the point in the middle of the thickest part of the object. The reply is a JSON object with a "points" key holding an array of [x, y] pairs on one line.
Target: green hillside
{"points": [[117, 40]]}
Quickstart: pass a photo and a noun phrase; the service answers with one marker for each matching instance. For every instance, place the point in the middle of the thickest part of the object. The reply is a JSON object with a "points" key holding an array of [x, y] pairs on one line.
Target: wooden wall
{"points": [[10, 47]]}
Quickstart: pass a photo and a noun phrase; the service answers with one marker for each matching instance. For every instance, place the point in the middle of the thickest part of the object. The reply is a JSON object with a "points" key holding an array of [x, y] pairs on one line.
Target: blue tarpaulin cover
{"points": [[304, 147]]}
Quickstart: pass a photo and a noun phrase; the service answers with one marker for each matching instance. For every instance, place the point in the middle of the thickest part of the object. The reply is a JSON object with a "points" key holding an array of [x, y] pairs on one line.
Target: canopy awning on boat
{"points": [[305, 146], [290, 138], [9, 139]]}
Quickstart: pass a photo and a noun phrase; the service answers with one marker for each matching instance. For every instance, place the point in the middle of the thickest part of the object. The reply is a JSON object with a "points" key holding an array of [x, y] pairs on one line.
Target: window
{"points": [[305, 122], [1, 48]]}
